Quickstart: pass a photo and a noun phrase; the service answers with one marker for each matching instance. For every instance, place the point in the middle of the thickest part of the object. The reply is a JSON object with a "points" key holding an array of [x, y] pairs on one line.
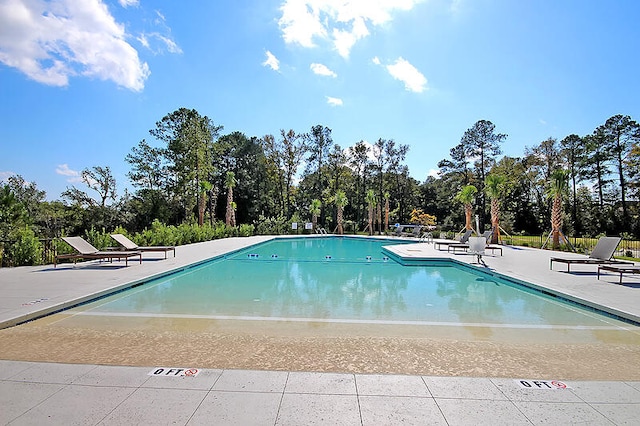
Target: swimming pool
{"points": [[345, 280]]}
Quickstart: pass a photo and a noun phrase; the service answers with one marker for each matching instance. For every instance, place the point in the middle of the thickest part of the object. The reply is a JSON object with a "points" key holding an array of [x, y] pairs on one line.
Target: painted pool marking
{"points": [[542, 384], [33, 302], [174, 372]]}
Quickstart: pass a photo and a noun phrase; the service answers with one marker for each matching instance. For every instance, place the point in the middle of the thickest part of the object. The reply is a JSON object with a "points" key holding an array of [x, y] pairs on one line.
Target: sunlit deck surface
{"points": [[333, 375]]}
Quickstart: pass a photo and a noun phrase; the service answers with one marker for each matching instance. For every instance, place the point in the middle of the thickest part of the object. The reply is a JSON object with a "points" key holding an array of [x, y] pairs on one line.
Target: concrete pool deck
{"points": [[37, 392]]}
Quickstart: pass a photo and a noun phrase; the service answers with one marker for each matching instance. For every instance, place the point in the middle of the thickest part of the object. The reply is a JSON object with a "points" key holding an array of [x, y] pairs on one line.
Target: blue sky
{"points": [[81, 83]]}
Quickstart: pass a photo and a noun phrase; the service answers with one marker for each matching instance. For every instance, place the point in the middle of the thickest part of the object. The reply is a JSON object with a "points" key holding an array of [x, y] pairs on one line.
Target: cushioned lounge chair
{"points": [[87, 251], [130, 245], [463, 239], [602, 254]]}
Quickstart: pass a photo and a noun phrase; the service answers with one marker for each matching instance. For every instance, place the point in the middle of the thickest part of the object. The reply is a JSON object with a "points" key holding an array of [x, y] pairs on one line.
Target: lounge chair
{"points": [[465, 245], [130, 245], [619, 269], [87, 251], [463, 239], [416, 231], [601, 255]]}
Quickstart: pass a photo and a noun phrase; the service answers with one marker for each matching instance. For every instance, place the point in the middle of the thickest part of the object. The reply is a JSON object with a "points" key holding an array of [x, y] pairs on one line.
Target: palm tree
{"points": [[558, 188], [234, 207], [467, 196], [230, 183], [494, 187], [370, 198], [340, 200], [386, 211], [315, 208]]}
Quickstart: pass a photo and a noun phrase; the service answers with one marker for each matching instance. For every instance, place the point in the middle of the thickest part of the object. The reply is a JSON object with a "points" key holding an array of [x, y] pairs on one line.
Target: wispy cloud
{"points": [[73, 176], [159, 41], [321, 69], [54, 40], [376, 60], [271, 61], [127, 3], [343, 23], [334, 101], [413, 79]]}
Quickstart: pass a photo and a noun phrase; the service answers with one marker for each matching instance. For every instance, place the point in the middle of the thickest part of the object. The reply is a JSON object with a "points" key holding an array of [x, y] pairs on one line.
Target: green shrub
{"points": [[159, 235], [246, 230], [99, 239], [25, 250], [272, 225]]}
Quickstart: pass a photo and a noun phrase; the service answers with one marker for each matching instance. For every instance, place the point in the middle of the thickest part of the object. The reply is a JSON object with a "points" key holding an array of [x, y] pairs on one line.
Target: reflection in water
{"points": [[295, 279]]}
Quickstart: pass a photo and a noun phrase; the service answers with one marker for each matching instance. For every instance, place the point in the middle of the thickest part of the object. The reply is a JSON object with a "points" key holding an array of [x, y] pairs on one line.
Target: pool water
{"points": [[348, 280]]}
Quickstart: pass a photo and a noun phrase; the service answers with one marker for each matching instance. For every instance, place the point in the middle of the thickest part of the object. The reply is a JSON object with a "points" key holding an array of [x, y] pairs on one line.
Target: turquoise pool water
{"points": [[349, 280]]}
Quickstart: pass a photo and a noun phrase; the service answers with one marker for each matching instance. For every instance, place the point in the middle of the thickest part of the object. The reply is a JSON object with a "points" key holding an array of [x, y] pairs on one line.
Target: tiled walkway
{"points": [[65, 394]]}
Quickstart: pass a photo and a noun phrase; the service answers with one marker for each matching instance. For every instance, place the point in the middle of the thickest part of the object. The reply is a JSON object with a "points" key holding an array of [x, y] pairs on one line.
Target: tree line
{"points": [[190, 172]]}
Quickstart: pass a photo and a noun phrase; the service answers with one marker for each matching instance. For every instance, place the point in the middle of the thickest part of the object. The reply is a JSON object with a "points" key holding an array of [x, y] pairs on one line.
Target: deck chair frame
{"points": [[127, 244], [85, 251], [602, 254]]}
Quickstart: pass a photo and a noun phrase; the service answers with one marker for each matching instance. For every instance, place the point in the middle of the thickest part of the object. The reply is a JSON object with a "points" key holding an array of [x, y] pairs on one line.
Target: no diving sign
{"points": [[543, 384], [174, 372]]}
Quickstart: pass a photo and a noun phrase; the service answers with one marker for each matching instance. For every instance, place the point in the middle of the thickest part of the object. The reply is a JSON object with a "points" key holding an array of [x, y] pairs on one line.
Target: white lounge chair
{"points": [[86, 251], [130, 245]]}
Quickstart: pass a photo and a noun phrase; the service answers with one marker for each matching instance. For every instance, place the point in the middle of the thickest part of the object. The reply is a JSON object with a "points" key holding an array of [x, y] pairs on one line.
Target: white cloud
{"points": [[54, 40], [72, 175], [4, 176], [376, 60], [433, 173], [321, 69], [299, 24], [159, 41], [127, 3], [334, 101], [271, 61], [165, 43], [413, 79], [343, 22]]}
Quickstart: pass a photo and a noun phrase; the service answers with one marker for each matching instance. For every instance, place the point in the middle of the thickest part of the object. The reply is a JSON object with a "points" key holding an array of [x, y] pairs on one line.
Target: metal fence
{"points": [[48, 251], [627, 248]]}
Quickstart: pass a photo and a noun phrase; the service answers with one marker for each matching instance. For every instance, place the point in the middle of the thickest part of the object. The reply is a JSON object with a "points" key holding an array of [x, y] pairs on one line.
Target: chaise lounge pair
{"points": [[84, 250]]}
